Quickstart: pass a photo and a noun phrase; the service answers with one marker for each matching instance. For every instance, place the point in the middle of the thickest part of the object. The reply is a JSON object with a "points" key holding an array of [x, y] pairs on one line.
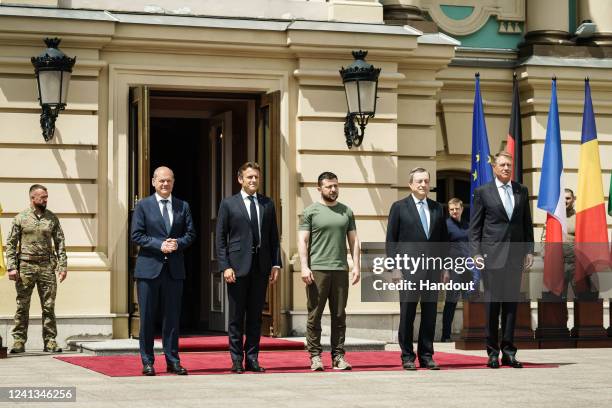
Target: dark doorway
{"points": [[203, 137], [188, 145], [451, 184], [179, 144]]}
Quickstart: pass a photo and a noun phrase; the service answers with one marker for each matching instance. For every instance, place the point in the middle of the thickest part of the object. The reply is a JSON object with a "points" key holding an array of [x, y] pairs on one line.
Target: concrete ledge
{"points": [[111, 347], [68, 328], [130, 346]]}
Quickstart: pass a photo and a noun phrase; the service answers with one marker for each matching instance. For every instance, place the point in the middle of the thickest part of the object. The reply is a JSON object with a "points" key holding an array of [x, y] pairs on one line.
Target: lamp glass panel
{"points": [[65, 82], [367, 93], [49, 87], [352, 96]]}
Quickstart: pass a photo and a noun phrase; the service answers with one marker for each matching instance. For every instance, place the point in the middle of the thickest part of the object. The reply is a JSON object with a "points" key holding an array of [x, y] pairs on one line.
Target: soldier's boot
{"points": [[52, 347], [18, 347]]}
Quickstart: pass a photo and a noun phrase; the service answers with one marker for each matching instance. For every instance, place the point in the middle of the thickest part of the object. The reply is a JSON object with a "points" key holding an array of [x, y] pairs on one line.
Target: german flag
{"points": [[514, 142]]}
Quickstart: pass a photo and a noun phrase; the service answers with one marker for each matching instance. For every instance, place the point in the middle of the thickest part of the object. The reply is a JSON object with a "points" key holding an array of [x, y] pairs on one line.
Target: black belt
{"points": [[34, 258]]}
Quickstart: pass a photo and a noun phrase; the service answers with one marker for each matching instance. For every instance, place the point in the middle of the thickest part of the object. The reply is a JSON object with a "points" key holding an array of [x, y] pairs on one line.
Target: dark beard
{"points": [[329, 199], [40, 207]]}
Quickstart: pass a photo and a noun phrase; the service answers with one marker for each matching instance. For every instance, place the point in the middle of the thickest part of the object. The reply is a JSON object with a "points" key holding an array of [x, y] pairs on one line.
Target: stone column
{"points": [[547, 22], [355, 11], [400, 12], [600, 13], [407, 12]]}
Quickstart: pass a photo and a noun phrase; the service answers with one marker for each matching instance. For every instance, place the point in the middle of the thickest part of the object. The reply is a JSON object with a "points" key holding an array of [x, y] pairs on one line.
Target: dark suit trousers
{"points": [[150, 292], [427, 330], [502, 290], [246, 300]]}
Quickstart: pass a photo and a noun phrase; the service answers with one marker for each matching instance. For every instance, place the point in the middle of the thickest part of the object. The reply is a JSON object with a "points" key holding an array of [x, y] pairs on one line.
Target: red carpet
{"points": [[274, 362], [220, 343]]}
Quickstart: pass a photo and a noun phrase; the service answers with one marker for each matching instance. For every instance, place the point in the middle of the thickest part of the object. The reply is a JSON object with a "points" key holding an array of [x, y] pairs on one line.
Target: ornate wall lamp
{"points": [[53, 70], [361, 87]]}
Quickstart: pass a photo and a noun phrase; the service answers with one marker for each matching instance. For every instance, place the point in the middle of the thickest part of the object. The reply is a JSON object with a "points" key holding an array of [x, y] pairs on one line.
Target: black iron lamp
{"points": [[53, 70], [361, 87]]}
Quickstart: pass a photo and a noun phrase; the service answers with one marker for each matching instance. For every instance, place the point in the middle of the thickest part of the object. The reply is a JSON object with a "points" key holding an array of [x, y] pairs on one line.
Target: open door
{"points": [[139, 185], [268, 155], [221, 171]]}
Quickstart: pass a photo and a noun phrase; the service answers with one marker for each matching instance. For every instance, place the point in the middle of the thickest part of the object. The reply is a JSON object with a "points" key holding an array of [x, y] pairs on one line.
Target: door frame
{"points": [[114, 151], [271, 314], [218, 287], [251, 148]]}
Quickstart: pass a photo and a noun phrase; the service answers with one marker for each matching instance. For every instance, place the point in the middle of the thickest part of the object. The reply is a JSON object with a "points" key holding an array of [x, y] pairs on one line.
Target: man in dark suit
{"points": [[414, 223], [163, 229], [501, 235], [458, 241], [248, 253]]}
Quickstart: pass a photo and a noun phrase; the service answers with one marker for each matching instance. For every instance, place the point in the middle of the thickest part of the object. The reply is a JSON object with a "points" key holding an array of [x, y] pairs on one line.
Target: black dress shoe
{"points": [[253, 365], [176, 369], [148, 370], [511, 361], [409, 365], [446, 340], [429, 364], [493, 362], [237, 367]]}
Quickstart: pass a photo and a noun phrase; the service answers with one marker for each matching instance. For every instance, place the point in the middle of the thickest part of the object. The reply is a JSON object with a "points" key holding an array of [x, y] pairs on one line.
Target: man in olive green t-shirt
{"points": [[325, 228]]}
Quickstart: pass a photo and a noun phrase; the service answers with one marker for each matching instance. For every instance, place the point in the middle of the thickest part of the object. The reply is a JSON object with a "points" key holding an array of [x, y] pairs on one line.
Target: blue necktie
{"points": [[254, 222], [166, 215], [508, 200], [423, 218]]}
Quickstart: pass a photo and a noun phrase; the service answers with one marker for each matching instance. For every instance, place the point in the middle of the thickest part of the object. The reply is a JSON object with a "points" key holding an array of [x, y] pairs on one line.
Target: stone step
{"points": [[130, 346]]}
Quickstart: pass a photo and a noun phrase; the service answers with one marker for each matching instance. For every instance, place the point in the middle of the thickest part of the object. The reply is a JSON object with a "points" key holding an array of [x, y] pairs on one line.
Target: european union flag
{"points": [[482, 172]]}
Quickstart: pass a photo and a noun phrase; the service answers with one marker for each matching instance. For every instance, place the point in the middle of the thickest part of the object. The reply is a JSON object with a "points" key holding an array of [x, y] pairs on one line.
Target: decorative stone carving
{"points": [[504, 10]]}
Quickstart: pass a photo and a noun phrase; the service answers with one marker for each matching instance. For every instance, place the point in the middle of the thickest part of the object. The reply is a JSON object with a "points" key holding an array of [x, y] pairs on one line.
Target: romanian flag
{"points": [[2, 264], [591, 228], [514, 142], [551, 198]]}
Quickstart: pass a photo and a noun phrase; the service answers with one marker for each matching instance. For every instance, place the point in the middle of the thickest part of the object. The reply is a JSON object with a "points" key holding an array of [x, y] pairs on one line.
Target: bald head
{"points": [[163, 181]]}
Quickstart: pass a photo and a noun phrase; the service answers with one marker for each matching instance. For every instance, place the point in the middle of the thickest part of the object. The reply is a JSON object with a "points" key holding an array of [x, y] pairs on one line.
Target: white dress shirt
{"points": [[247, 204], [425, 207], [168, 204], [502, 193]]}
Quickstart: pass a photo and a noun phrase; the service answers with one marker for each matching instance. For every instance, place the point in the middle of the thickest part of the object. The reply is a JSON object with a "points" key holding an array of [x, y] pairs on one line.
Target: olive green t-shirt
{"points": [[328, 228]]}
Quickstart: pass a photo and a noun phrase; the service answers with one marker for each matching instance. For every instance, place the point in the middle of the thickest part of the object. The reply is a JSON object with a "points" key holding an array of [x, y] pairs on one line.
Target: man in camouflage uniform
{"points": [[35, 250]]}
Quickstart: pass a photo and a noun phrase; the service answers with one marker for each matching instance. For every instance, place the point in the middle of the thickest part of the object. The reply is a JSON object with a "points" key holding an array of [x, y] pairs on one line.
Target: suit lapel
{"points": [[241, 206], [155, 209], [500, 205], [516, 191], [431, 215], [261, 212], [176, 211]]}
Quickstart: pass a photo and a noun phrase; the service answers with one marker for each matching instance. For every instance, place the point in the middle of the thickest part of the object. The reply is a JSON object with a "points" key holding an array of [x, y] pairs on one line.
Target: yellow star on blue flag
{"points": [[481, 171]]}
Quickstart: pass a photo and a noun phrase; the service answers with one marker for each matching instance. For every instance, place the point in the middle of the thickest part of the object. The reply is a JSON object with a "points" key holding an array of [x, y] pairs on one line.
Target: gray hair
{"points": [[417, 170], [157, 170]]}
